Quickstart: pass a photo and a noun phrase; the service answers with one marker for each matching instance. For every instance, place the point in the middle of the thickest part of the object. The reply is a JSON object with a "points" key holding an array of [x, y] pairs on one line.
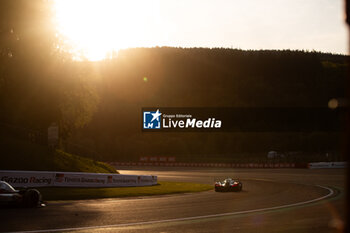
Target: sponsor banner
{"points": [[27, 178], [73, 179], [327, 165]]}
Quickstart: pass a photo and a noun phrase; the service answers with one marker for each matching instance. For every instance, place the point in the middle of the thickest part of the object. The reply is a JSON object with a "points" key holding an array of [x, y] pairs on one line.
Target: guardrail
{"points": [[327, 165], [73, 179], [235, 165], [228, 165]]}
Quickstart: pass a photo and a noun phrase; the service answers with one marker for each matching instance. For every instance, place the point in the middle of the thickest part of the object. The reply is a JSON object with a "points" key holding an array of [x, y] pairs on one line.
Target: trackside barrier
{"points": [[327, 165], [73, 179], [218, 165]]}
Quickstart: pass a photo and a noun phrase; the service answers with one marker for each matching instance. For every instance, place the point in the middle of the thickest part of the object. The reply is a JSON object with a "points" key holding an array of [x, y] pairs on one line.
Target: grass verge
{"points": [[162, 188], [68, 162]]}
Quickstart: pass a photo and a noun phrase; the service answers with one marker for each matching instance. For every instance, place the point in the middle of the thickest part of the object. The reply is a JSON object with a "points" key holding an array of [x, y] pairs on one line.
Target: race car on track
{"points": [[25, 197], [228, 185]]}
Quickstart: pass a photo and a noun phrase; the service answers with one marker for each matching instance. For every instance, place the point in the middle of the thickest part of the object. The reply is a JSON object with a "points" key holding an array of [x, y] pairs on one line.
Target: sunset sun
{"points": [[95, 29]]}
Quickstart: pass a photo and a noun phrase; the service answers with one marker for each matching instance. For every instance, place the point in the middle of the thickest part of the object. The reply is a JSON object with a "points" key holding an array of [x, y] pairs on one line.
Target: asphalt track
{"points": [[272, 200]]}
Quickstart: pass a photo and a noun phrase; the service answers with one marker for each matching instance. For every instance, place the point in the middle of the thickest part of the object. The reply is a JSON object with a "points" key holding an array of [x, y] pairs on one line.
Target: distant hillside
{"points": [[97, 104], [222, 77], [195, 77]]}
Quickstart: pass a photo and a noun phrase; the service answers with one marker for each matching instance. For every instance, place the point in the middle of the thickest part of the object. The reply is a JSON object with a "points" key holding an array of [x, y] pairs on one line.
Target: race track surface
{"points": [[272, 200]]}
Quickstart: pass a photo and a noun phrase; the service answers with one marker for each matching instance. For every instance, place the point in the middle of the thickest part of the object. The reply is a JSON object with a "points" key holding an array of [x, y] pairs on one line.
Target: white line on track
{"points": [[331, 192]]}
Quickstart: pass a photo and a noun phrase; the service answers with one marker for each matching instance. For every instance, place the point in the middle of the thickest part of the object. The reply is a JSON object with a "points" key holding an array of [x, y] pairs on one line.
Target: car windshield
{"points": [[6, 187]]}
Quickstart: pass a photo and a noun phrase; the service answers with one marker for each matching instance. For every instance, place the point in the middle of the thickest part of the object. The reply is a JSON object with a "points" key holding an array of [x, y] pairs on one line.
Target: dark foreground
{"points": [[277, 200]]}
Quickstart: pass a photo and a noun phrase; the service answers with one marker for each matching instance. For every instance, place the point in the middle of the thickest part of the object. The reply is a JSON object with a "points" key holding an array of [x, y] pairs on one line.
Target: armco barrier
{"points": [[73, 179], [214, 165], [327, 165]]}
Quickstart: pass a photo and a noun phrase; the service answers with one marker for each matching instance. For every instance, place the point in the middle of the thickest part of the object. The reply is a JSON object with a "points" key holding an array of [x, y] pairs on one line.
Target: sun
{"points": [[95, 29]]}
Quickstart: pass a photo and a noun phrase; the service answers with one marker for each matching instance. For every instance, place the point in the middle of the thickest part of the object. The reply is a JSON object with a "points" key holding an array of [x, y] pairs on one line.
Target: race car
{"points": [[25, 197], [228, 185]]}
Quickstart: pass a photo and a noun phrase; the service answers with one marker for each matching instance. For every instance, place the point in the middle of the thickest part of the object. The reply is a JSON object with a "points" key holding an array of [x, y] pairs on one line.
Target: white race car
{"points": [[25, 197]]}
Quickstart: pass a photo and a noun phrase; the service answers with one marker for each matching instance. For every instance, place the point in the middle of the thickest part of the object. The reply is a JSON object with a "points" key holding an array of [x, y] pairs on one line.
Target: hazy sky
{"points": [[98, 26], [256, 24]]}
